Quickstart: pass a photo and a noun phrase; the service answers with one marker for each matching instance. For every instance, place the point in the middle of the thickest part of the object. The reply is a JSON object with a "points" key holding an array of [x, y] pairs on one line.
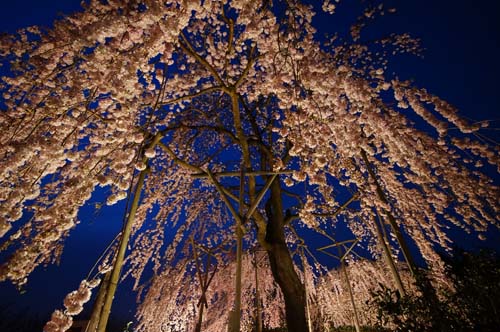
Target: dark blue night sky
{"points": [[460, 64]]}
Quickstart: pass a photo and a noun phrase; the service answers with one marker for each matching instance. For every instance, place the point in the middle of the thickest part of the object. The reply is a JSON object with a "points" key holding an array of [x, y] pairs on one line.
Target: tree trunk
{"points": [[282, 264]]}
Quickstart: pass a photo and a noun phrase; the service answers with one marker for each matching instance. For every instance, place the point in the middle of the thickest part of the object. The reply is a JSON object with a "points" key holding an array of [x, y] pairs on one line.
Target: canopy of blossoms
{"points": [[202, 113]]}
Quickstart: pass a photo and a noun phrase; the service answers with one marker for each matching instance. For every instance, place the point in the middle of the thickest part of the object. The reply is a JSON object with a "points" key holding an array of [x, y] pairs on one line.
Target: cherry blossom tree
{"points": [[174, 298], [330, 296], [229, 123], [169, 305]]}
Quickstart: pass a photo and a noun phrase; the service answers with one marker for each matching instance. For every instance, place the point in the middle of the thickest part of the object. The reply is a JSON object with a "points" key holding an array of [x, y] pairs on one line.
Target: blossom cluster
{"points": [[61, 321]]}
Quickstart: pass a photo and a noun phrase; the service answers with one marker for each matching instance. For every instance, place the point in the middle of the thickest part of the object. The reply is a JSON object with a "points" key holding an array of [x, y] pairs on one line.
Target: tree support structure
{"points": [[341, 257], [117, 266]]}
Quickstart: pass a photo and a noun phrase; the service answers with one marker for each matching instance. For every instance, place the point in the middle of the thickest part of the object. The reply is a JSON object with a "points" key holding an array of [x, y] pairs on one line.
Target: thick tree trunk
{"points": [[282, 264]]}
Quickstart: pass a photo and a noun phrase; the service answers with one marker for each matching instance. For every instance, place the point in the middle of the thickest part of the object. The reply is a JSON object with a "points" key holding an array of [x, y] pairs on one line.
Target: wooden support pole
{"points": [[98, 304], [308, 309], [204, 281], [258, 314], [237, 174], [120, 255], [197, 328], [348, 283], [341, 257], [202, 300], [388, 256], [259, 198], [240, 217], [239, 250]]}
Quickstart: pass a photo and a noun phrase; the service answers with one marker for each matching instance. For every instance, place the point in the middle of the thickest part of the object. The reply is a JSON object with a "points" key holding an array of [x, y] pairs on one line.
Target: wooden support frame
{"points": [[237, 174], [306, 285], [258, 302], [241, 217], [204, 279], [341, 257]]}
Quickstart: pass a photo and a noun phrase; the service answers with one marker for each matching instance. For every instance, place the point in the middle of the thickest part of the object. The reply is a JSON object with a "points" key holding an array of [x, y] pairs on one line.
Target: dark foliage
{"points": [[338, 329], [363, 329], [476, 278], [473, 306]]}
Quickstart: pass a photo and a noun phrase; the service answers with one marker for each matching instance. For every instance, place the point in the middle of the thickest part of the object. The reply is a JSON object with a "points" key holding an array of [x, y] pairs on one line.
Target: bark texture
{"points": [[282, 264]]}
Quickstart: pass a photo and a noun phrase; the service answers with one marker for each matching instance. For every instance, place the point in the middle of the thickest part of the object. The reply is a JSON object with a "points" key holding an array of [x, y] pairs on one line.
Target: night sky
{"points": [[460, 64]]}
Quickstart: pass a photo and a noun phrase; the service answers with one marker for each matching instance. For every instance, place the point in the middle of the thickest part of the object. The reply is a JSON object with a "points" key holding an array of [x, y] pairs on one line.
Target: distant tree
{"points": [[190, 109]]}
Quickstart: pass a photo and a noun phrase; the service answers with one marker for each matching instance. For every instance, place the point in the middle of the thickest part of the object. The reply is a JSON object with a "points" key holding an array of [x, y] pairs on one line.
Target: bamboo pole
{"points": [[204, 280], [117, 266], [388, 257], [233, 319], [349, 288], [343, 269], [308, 309], [237, 174], [241, 218], [236, 319], [98, 304], [239, 249], [258, 313], [197, 328]]}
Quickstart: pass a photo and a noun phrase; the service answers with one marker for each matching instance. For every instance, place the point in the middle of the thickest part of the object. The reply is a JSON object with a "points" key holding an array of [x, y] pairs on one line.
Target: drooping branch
{"points": [[392, 221]]}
